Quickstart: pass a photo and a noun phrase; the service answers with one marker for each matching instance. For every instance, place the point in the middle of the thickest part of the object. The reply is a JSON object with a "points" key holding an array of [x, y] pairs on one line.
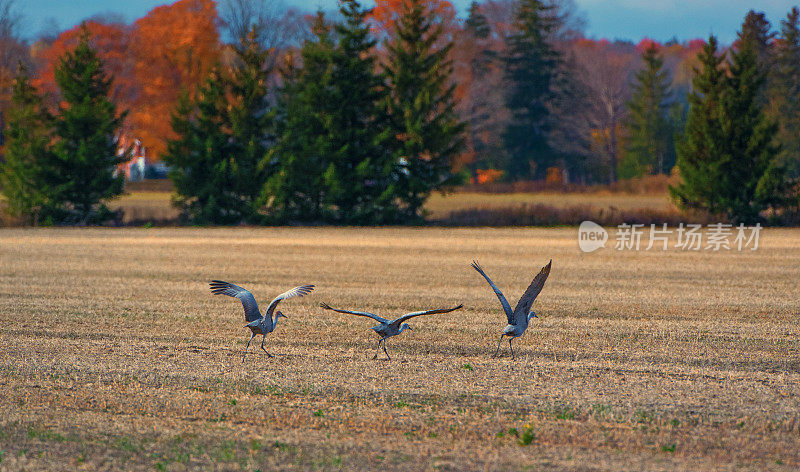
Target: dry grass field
{"points": [[115, 356], [143, 206]]}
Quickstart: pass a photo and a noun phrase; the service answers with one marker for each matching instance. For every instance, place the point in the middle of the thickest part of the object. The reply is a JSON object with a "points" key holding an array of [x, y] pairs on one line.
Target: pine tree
{"points": [[751, 177], [358, 180], [202, 156], [648, 129], [703, 138], [478, 26], [30, 129], [80, 173], [223, 138], [252, 121], [784, 92], [422, 107], [728, 160], [307, 101], [532, 66], [757, 31]]}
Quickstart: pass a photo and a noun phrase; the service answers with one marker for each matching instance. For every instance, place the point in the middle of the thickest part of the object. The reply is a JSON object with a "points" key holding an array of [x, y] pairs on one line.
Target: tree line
{"points": [[359, 117]]}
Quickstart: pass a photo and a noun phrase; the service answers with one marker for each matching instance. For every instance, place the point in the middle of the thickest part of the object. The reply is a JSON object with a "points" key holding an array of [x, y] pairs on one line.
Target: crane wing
{"points": [[533, 290], [500, 296], [295, 292], [251, 313], [359, 313], [429, 312]]}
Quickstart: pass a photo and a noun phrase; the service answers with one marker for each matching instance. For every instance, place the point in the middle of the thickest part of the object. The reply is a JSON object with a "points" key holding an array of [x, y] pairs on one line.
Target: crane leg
{"points": [[248, 345], [384, 349], [262, 346], [378, 349], [498, 346], [512, 349]]}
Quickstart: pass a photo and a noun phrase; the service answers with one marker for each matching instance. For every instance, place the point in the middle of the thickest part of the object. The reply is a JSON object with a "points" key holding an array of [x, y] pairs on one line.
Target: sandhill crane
{"points": [[386, 328], [257, 323], [522, 314]]}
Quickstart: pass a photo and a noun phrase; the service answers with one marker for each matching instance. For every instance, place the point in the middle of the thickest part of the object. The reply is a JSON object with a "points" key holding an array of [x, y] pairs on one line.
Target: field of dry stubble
{"points": [[115, 356]]}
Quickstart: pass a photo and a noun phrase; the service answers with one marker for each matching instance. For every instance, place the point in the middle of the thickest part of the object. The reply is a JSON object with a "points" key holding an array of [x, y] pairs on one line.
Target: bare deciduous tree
{"points": [[277, 25], [13, 51], [603, 74]]}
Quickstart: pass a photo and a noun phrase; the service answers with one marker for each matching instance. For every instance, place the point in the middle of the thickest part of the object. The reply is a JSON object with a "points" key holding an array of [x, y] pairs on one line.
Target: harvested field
{"points": [[115, 356], [150, 203]]}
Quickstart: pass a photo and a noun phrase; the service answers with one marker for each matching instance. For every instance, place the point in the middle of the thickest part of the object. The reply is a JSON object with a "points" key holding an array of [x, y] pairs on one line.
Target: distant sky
{"points": [[612, 19]]}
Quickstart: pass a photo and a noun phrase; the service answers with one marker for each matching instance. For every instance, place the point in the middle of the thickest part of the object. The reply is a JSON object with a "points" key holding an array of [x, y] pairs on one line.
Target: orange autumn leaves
{"points": [[152, 61]]}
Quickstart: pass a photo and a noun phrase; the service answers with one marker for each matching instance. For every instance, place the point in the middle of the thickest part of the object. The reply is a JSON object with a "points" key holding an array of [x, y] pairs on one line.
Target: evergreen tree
{"points": [[29, 133], [752, 179], [728, 160], [80, 172], [784, 92], [202, 158], [358, 180], [757, 32], [422, 107], [648, 128], [252, 121], [307, 102], [223, 137], [477, 23], [532, 66], [703, 137]]}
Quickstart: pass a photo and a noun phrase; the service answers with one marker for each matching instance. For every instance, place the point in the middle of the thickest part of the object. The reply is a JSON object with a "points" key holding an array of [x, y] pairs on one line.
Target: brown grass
{"points": [[116, 357], [146, 204]]}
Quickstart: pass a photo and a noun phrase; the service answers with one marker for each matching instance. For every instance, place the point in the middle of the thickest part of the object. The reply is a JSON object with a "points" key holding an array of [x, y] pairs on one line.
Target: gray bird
{"points": [[519, 318], [386, 328], [257, 323]]}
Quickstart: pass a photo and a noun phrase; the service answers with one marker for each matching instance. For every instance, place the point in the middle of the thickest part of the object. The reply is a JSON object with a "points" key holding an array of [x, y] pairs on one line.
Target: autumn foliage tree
{"points": [[169, 50], [173, 47]]}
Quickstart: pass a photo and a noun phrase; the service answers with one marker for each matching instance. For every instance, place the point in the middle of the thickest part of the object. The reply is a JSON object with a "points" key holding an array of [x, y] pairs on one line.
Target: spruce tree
{"points": [[30, 129], [757, 32], [532, 67], [784, 92], [224, 135], [751, 178], [252, 121], [359, 184], [307, 102], [202, 159], [648, 129], [703, 138], [728, 160], [422, 107], [80, 172]]}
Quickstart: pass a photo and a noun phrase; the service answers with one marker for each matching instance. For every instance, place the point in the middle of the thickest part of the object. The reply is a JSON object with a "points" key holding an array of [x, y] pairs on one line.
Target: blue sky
{"points": [[612, 19]]}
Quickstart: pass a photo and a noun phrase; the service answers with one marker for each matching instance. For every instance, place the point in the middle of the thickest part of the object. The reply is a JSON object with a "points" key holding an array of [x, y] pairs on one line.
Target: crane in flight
{"points": [[519, 317]]}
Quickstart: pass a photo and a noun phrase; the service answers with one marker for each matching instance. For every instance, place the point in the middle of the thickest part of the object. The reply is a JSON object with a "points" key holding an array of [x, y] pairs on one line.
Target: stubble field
{"points": [[115, 356]]}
